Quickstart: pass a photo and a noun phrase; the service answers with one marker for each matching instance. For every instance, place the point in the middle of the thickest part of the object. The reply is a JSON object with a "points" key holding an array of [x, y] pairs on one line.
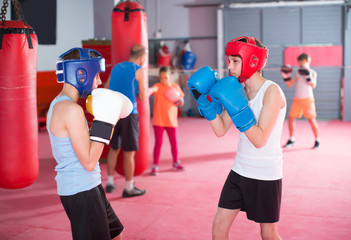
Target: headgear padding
{"points": [[81, 72], [253, 57]]}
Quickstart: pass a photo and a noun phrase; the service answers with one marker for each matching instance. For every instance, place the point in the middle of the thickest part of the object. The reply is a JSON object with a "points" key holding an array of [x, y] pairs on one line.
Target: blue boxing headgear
{"points": [[81, 72], [188, 60]]}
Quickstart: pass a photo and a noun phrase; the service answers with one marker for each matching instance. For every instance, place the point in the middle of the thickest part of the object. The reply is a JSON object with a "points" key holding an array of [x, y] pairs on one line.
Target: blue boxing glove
{"points": [[200, 84], [208, 108], [229, 92], [202, 81]]}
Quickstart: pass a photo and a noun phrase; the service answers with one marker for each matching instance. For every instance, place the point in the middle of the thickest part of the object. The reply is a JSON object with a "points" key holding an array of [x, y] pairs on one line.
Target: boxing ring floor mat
{"points": [[316, 201]]}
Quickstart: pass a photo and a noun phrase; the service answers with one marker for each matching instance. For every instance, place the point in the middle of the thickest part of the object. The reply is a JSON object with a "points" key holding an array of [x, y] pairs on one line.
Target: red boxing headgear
{"points": [[252, 52]]}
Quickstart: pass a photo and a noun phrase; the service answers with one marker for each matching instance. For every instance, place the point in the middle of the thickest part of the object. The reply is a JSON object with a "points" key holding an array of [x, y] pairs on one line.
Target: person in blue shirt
{"points": [[127, 77]]}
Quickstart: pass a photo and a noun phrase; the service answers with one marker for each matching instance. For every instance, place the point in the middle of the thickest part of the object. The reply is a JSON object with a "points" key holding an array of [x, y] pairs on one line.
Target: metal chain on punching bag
{"points": [[17, 7], [19, 17], [4, 11], [18, 10], [3, 18]]}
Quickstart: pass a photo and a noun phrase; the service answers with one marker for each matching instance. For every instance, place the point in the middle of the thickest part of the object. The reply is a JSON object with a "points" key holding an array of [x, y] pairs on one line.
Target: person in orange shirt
{"points": [[168, 96]]}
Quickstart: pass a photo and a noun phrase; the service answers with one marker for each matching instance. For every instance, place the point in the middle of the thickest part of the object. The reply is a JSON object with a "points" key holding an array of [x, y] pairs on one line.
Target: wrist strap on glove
{"points": [[244, 120], [209, 108], [101, 131]]}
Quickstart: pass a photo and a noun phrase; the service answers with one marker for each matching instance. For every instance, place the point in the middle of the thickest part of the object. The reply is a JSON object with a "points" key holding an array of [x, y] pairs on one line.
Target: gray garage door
{"points": [[280, 27]]}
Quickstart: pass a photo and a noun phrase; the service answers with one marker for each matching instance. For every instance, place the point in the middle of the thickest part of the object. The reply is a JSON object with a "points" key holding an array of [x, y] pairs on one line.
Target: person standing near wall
{"points": [[128, 78], [303, 102]]}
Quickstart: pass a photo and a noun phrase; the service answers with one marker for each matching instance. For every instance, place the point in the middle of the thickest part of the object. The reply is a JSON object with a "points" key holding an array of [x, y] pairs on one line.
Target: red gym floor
{"points": [[180, 205]]}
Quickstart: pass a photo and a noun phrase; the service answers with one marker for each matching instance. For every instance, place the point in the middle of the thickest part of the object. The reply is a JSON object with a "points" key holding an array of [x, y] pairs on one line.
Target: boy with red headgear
{"points": [[257, 108]]}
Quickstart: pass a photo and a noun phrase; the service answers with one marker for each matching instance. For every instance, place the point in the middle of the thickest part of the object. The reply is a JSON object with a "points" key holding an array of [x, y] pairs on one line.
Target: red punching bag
{"points": [[19, 163], [129, 27]]}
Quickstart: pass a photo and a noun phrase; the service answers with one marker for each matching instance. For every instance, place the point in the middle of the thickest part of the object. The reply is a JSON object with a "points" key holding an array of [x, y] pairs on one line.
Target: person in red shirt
{"points": [[168, 96]]}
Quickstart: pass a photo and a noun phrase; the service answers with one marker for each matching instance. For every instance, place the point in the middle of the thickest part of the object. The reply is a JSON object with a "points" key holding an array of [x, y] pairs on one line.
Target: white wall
{"points": [[75, 22], [85, 19], [102, 18], [175, 20], [171, 16], [347, 70]]}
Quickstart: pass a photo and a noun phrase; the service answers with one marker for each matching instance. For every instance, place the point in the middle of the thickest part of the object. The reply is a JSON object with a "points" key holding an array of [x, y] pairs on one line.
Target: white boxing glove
{"points": [[105, 105], [127, 106]]}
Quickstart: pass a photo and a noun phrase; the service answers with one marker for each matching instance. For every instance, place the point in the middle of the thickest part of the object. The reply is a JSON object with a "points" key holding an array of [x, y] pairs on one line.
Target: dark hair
{"points": [[165, 69], [303, 56], [257, 42], [75, 54], [137, 51]]}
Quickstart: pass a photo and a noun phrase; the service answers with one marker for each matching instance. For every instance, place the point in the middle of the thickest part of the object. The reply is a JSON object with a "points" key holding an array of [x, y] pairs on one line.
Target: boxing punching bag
{"points": [[19, 163], [164, 57], [188, 57], [129, 27]]}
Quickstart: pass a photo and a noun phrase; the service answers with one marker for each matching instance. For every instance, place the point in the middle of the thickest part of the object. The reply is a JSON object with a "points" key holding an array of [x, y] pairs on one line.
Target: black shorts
{"points": [[91, 215], [126, 134], [260, 199]]}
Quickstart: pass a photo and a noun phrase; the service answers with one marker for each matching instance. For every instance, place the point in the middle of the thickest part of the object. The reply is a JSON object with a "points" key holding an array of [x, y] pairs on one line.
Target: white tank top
{"points": [[303, 89], [265, 163]]}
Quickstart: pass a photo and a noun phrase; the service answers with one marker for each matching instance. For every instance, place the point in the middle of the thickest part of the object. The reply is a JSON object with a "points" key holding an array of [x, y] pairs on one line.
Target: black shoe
{"points": [[289, 143], [316, 144], [110, 187], [133, 193]]}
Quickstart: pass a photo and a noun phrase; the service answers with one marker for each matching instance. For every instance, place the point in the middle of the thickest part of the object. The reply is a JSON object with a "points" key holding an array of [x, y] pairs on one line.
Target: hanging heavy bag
{"points": [[18, 104], [129, 27]]}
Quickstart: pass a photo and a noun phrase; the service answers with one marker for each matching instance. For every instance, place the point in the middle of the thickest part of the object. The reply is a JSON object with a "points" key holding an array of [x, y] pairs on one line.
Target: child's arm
{"points": [[88, 146], [313, 83], [221, 124], [273, 101], [152, 90], [180, 102], [181, 98], [291, 82], [88, 153]]}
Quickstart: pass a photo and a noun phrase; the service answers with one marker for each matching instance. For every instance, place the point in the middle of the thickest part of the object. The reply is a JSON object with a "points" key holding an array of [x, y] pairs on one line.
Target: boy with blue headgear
{"points": [[76, 150]]}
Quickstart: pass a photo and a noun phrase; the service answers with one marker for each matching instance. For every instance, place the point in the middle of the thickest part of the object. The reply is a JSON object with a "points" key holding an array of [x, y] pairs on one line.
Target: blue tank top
{"points": [[71, 176], [123, 80]]}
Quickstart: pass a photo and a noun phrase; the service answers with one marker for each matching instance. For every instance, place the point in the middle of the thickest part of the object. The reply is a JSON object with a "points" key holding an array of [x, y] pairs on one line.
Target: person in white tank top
{"points": [[303, 102], [258, 111]]}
